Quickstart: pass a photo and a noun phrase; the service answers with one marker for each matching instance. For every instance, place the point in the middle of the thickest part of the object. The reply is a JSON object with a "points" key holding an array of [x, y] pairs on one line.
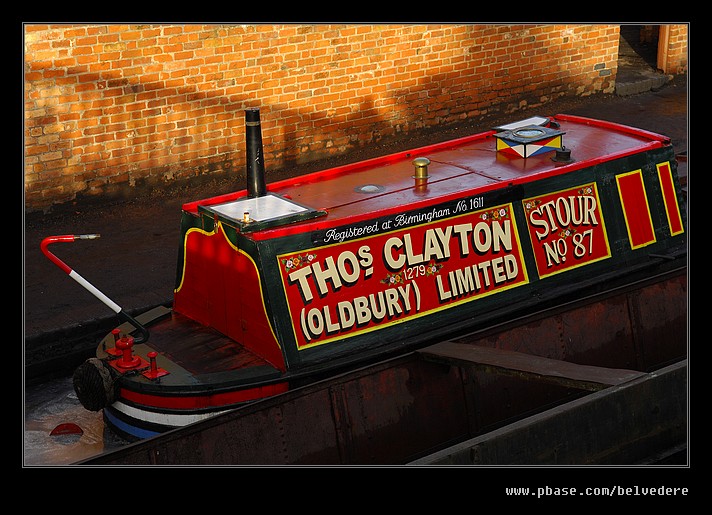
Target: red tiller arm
{"points": [[68, 238]]}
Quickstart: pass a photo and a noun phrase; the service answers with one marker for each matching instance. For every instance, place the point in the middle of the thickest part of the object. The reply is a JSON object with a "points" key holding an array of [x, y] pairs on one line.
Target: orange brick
{"points": [[173, 95]]}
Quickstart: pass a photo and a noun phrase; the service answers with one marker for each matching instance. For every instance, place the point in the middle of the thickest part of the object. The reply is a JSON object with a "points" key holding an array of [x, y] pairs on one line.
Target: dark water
{"points": [[50, 404]]}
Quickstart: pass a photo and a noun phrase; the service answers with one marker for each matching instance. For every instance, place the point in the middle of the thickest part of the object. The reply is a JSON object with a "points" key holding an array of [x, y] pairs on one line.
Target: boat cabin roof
{"points": [[457, 168]]}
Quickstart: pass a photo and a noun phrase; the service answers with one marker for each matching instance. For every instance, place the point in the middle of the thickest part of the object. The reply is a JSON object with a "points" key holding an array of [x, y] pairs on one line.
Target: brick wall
{"points": [[111, 109], [677, 50]]}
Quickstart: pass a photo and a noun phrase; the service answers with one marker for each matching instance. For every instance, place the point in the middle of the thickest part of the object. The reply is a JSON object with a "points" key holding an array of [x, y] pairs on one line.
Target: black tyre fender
{"points": [[94, 384]]}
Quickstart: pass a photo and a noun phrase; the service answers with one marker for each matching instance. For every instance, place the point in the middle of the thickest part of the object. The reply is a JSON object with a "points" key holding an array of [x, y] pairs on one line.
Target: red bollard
{"points": [[154, 372], [152, 356], [127, 360], [114, 351]]}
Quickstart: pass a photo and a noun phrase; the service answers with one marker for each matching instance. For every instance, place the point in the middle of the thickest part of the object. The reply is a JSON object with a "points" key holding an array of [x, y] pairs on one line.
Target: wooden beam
{"points": [[650, 420], [663, 42], [528, 366]]}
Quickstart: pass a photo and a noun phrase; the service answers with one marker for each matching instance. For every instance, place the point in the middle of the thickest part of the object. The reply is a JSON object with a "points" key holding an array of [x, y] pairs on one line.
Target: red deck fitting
{"points": [[154, 372]]}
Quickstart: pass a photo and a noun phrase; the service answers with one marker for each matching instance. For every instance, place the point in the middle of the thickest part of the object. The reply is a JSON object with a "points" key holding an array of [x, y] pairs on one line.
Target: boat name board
{"points": [[566, 229], [353, 286]]}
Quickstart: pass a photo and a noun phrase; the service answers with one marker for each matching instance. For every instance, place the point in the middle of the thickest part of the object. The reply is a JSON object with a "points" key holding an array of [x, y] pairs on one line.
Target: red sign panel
{"points": [[566, 229], [397, 270], [672, 208], [636, 209]]}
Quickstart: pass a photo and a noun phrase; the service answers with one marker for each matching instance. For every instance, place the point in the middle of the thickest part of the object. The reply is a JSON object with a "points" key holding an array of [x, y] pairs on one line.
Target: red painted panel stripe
{"points": [[635, 209], [194, 402], [672, 208]]}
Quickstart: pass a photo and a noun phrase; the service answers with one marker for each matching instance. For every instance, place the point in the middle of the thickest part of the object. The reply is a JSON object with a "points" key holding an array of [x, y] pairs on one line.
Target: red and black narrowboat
{"points": [[278, 285]]}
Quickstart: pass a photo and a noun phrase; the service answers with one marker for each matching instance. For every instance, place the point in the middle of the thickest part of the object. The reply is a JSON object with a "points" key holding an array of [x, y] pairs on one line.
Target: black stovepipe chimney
{"points": [[254, 153]]}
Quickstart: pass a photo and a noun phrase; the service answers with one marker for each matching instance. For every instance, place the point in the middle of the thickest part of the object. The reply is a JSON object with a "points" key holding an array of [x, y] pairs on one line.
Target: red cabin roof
{"points": [[473, 164]]}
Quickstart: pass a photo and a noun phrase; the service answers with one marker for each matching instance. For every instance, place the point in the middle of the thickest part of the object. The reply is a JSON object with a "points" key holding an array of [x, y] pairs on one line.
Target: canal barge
{"points": [[279, 285]]}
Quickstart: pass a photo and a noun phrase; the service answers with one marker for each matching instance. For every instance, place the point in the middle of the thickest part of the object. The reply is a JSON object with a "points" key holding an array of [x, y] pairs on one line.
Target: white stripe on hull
{"points": [[165, 419]]}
